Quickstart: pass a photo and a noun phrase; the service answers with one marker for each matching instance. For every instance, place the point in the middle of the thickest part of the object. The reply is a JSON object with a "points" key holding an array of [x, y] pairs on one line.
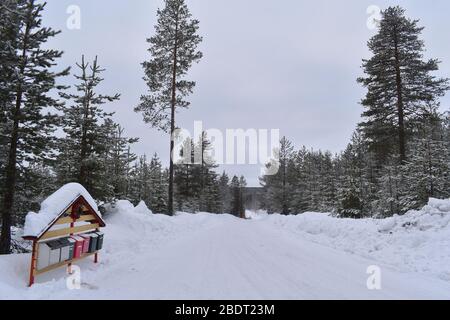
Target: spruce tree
{"points": [[158, 186], [187, 186], [208, 192], [300, 200], [173, 50], [237, 187], [84, 149], [119, 158], [400, 84], [277, 187], [428, 169], [224, 193], [30, 78]]}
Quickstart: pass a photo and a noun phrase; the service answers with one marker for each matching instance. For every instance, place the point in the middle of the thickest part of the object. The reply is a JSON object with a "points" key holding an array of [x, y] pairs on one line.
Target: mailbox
{"points": [[66, 249], [87, 240], [72, 244], [93, 242], [44, 256], [55, 252], [100, 240], [78, 249]]}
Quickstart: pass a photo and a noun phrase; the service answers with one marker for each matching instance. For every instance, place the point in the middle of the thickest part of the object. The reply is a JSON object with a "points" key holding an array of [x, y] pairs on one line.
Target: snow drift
{"points": [[418, 241]]}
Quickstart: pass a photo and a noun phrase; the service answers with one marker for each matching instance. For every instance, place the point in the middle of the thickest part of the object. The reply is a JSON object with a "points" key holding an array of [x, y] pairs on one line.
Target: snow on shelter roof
{"points": [[53, 206]]}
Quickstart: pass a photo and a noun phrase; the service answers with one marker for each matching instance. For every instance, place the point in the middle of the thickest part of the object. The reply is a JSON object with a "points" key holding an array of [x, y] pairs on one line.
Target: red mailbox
{"points": [[86, 243], [78, 250]]}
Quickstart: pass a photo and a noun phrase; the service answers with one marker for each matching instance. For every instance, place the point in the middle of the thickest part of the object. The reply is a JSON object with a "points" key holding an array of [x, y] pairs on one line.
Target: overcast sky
{"points": [[288, 64]]}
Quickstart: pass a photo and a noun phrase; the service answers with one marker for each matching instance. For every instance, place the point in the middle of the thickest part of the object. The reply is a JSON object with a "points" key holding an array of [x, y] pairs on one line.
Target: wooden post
{"points": [[72, 224], [33, 263], [96, 254]]}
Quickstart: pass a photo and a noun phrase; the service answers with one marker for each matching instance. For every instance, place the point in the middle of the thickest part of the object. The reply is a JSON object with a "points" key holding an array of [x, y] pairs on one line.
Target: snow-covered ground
{"points": [[206, 256]]}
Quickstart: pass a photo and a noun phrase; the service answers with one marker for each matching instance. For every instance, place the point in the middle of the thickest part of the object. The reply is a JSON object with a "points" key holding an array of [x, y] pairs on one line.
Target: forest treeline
{"points": [[399, 155]]}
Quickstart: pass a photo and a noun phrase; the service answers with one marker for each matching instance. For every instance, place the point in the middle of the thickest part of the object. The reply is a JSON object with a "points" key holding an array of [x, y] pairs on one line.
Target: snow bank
{"points": [[255, 215], [52, 207], [125, 206], [142, 208], [418, 241]]}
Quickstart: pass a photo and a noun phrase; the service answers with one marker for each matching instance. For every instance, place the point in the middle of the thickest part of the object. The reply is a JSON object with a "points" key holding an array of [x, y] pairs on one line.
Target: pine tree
{"points": [[158, 186], [429, 165], [30, 79], [187, 186], [86, 146], [224, 193], [277, 187], [207, 177], [400, 84], [242, 196], [237, 187], [173, 49], [119, 159], [349, 188], [34, 184], [328, 182], [300, 200]]}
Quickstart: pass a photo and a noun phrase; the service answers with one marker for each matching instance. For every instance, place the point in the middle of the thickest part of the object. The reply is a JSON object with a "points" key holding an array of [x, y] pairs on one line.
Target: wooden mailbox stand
{"points": [[78, 211]]}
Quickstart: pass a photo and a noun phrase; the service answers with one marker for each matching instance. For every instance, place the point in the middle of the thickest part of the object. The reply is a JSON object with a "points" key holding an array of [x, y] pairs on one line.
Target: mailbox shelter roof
{"points": [[55, 206]]}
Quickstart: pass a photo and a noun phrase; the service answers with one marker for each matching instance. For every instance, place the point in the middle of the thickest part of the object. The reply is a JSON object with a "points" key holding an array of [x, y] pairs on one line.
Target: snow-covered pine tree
{"points": [[349, 187], [34, 184], [9, 28], [300, 200], [173, 50], [428, 166], [84, 148], [313, 190], [277, 187], [237, 187], [29, 79], [357, 178], [399, 83], [391, 190], [328, 183], [157, 199], [186, 184], [119, 158], [224, 193], [243, 195], [208, 196]]}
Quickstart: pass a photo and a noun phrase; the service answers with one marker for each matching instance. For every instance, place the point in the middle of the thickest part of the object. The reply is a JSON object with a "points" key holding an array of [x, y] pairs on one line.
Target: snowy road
{"points": [[226, 258], [248, 260]]}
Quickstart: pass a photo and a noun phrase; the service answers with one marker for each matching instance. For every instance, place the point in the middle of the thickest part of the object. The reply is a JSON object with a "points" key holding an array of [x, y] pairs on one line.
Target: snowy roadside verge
{"points": [[418, 241]]}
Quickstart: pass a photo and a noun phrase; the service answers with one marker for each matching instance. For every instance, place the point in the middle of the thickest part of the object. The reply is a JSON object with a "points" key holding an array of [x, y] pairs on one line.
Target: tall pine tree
{"points": [[173, 49], [31, 77], [400, 85]]}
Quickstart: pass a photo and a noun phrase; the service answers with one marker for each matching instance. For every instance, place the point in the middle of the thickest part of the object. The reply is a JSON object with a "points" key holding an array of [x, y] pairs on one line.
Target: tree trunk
{"points": [[83, 175], [172, 120], [400, 105], [10, 181]]}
